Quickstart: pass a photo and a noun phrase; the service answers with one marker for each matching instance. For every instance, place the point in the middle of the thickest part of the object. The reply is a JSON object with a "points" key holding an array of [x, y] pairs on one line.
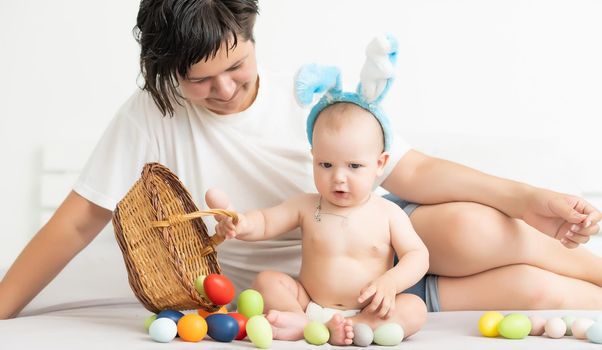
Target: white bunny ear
{"points": [[315, 79], [378, 70]]}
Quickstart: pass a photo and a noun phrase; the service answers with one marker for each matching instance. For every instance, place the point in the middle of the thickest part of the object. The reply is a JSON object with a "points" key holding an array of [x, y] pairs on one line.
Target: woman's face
{"points": [[225, 84]]}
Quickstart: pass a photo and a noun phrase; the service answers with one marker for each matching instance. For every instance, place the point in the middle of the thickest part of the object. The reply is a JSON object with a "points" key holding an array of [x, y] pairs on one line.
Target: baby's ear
{"points": [[382, 162]]}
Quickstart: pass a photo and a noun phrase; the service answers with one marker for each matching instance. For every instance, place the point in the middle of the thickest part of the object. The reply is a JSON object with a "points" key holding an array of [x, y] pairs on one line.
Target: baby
{"points": [[349, 237]]}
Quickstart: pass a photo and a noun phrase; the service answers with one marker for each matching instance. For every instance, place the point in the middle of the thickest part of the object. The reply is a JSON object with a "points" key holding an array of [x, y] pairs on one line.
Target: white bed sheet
{"points": [[118, 324]]}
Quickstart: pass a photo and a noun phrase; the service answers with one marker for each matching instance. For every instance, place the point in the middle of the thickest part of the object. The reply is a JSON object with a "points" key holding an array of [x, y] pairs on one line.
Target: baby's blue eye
{"points": [[325, 165], [354, 165]]}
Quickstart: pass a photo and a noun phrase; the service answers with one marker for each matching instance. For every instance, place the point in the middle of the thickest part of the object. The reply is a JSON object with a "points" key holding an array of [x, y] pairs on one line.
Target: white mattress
{"points": [[118, 324]]}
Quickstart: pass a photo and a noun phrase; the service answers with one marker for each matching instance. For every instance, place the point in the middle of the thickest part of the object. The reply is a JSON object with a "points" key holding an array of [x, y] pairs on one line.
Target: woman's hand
{"points": [[570, 219], [383, 292]]}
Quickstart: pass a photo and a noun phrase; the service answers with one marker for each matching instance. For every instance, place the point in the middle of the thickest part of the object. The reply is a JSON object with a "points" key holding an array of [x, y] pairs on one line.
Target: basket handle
{"points": [[176, 219]]}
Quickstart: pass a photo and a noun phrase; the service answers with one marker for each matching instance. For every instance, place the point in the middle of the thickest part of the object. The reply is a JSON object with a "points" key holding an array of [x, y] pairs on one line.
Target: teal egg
{"points": [[594, 333], [388, 334], [316, 333], [250, 303], [259, 331], [514, 326]]}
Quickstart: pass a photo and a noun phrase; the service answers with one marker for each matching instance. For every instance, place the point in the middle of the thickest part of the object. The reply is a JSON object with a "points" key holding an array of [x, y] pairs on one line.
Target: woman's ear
{"points": [[381, 163]]}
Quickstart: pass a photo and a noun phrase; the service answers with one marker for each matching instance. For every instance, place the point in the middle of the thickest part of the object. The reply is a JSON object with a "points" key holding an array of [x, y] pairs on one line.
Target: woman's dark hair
{"points": [[175, 34]]}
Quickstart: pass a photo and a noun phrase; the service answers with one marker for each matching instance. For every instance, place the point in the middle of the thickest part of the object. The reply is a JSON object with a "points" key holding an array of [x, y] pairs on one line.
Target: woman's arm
{"points": [[75, 224]]}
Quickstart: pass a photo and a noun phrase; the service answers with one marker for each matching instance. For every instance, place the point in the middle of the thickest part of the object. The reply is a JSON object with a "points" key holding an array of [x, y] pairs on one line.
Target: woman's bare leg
{"points": [[517, 287], [467, 238]]}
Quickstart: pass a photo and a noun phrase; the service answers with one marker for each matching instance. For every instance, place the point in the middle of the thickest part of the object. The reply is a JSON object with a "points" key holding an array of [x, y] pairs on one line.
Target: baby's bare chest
{"points": [[365, 234]]}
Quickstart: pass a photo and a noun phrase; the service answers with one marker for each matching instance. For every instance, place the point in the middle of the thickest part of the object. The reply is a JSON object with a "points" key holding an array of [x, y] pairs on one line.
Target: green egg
{"points": [[198, 285], [569, 320], [389, 334], [316, 333], [148, 322], [514, 326], [250, 303], [259, 331]]}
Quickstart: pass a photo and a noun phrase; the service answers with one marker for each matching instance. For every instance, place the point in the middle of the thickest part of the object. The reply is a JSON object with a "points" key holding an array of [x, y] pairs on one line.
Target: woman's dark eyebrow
{"points": [[232, 66]]}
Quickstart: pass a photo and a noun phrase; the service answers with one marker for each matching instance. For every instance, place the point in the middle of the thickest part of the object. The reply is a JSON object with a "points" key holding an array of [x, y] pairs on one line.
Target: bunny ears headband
{"points": [[375, 79]]}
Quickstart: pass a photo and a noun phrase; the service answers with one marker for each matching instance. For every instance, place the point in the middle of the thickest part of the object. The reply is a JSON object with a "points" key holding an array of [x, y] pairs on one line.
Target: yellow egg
{"points": [[488, 323]]}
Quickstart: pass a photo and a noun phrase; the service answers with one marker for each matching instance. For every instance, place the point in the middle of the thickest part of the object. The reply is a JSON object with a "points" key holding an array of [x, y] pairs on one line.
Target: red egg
{"points": [[242, 325], [219, 289]]}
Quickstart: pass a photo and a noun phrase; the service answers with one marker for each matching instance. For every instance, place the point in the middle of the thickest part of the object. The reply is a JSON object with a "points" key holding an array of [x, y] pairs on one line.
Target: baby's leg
{"points": [[517, 287], [285, 301], [410, 313], [469, 238]]}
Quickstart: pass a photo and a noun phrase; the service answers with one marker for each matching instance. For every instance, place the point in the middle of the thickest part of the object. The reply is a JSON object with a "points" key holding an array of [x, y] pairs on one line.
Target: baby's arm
{"points": [[262, 224], [412, 266]]}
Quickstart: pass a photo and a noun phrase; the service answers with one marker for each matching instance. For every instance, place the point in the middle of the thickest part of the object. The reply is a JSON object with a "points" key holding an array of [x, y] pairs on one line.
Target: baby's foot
{"points": [[341, 330], [287, 325]]}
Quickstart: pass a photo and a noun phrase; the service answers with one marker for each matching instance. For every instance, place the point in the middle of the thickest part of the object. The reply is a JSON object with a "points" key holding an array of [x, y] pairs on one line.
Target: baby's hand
{"points": [[217, 199], [225, 226], [383, 292]]}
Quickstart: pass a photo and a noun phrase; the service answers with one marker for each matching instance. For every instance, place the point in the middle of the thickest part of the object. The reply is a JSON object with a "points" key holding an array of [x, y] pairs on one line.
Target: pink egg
{"points": [[537, 325], [555, 328], [580, 327]]}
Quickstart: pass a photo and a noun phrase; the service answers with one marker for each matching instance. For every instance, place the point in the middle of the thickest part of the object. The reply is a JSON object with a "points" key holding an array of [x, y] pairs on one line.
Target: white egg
{"points": [[163, 330], [555, 328], [580, 327], [537, 325]]}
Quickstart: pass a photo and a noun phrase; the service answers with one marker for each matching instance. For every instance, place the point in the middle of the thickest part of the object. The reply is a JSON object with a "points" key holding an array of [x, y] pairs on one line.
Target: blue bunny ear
{"points": [[377, 73], [315, 79]]}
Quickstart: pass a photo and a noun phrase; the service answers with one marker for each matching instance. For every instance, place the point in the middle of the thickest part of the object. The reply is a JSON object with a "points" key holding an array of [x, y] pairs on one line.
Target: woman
{"points": [[207, 114]]}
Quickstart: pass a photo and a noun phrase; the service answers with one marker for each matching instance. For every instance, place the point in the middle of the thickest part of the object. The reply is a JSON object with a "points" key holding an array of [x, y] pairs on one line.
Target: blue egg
{"points": [[222, 327], [171, 314]]}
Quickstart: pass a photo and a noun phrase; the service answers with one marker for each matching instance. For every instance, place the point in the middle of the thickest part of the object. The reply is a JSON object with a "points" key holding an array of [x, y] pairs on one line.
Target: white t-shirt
{"points": [[259, 157]]}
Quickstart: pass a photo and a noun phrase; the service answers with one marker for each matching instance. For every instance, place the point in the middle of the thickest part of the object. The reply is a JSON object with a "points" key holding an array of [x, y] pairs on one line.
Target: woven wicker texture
{"points": [[165, 246]]}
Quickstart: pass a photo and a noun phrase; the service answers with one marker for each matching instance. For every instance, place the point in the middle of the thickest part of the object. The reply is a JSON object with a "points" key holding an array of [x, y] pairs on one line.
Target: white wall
{"points": [[514, 72]]}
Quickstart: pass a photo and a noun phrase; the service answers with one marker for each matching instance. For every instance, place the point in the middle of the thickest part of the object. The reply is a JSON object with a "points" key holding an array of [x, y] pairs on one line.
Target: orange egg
{"points": [[192, 327], [205, 313]]}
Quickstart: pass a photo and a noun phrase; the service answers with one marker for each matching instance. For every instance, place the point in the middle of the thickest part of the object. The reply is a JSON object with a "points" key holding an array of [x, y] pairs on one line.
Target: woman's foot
{"points": [[341, 330]]}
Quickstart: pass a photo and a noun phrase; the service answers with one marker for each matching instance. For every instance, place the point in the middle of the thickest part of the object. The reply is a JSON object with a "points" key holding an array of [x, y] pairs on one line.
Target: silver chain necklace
{"points": [[344, 218]]}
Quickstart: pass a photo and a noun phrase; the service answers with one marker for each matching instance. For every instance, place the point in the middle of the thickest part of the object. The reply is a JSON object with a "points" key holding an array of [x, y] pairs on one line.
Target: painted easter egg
{"points": [[388, 334], [250, 303], [488, 323], [204, 313], [316, 333], [219, 289], [594, 333], [538, 325], [580, 327], [568, 320], [222, 327], [171, 314], [242, 324], [192, 328], [555, 328], [363, 334], [259, 331], [149, 320], [514, 326], [163, 330], [199, 285]]}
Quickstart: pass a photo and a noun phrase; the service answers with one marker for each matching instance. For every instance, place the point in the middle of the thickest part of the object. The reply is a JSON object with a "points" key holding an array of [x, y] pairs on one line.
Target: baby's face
{"points": [[347, 158]]}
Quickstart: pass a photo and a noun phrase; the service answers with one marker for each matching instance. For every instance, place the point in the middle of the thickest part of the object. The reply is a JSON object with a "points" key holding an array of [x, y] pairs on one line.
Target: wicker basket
{"points": [[164, 248]]}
